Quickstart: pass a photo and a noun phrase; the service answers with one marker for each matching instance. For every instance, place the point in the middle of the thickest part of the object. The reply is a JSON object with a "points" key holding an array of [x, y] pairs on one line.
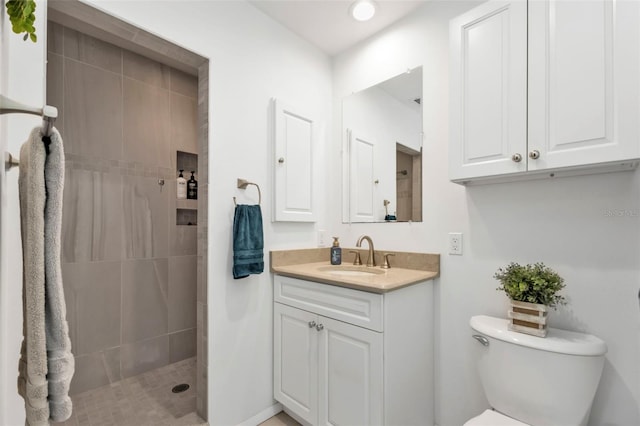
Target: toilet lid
{"points": [[493, 418]]}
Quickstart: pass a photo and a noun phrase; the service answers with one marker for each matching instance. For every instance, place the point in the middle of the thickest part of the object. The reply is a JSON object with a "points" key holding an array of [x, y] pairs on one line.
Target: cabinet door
{"points": [[293, 162], [583, 82], [488, 90], [295, 358], [350, 375]]}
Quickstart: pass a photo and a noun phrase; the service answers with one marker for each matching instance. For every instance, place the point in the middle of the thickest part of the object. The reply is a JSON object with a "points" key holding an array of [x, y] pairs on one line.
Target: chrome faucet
{"points": [[371, 261]]}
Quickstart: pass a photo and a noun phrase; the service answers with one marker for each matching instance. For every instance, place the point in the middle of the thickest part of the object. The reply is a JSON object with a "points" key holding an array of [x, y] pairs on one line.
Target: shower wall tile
{"points": [[184, 134], [202, 279], [146, 218], [92, 295], [202, 384], [182, 345], [184, 83], [112, 364], [90, 373], [183, 274], [55, 41], [92, 216], [92, 51], [144, 299], [93, 111], [202, 349], [147, 126], [55, 88], [145, 355], [146, 70], [182, 240], [201, 318]]}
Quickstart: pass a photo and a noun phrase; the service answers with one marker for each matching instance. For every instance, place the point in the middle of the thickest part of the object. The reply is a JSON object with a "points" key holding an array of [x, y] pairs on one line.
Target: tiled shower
{"points": [[130, 271]]}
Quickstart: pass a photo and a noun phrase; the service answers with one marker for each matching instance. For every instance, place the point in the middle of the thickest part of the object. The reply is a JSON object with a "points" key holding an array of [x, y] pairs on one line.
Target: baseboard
{"points": [[263, 415]]}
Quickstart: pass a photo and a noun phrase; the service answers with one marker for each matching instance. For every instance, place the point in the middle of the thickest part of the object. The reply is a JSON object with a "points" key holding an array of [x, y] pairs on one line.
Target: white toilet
{"points": [[536, 381]]}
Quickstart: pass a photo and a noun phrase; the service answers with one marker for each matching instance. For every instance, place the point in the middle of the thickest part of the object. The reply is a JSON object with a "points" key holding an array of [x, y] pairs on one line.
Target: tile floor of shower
{"points": [[143, 400], [147, 400]]}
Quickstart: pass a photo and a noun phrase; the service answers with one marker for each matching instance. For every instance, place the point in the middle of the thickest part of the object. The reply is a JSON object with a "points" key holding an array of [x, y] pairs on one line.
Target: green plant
{"points": [[531, 283], [22, 16]]}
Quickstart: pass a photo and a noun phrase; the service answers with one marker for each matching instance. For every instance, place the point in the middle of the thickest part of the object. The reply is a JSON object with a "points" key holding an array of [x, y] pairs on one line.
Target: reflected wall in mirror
{"points": [[382, 151]]}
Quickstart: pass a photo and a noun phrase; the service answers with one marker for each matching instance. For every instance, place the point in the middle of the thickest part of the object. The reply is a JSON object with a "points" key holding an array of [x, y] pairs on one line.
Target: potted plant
{"points": [[533, 289]]}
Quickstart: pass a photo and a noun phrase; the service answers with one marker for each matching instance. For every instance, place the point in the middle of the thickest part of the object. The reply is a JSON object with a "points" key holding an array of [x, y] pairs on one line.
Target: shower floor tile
{"points": [[143, 400]]}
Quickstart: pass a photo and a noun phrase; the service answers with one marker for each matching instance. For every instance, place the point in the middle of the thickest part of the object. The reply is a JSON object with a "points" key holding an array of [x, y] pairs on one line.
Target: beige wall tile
{"points": [[184, 135], [184, 83], [92, 295], [93, 111], [90, 373], [147, 126], [145, 355], [55, 41], [146, 70], [182, 240], [92, 51], [144, 299], [182, 345], [91, 216], [55, 88], [183, 274], [145, 232]]}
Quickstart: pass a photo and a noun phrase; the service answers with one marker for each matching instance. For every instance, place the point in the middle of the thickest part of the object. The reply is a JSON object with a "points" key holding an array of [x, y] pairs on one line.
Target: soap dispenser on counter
{"points": [[336, 252]]}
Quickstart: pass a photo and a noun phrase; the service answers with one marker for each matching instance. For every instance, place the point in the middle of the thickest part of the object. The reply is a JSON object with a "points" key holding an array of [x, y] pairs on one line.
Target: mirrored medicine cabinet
{"points": [[382, 151]]}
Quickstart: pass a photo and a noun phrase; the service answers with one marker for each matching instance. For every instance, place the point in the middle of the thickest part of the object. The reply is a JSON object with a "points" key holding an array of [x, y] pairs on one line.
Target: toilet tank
{"points": [[539, 381]]}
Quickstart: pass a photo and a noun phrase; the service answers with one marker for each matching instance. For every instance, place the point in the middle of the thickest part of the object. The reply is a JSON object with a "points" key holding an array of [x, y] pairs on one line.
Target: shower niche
{"points": [[186, 209]]}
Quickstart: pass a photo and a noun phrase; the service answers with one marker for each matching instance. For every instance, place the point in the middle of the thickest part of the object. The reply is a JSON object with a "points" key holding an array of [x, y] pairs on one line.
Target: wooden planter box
{"points": [[528, 318]]}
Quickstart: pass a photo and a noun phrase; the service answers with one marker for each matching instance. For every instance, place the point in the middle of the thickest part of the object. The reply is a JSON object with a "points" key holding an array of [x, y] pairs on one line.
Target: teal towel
{"points": [[248, 241]]}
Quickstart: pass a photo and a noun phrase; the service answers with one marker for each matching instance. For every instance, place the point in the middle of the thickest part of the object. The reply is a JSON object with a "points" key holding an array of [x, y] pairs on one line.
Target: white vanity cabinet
{"points": [[350, 357], [544, 86]]}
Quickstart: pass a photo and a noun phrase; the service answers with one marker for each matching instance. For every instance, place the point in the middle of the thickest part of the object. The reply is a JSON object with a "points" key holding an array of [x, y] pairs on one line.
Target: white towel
{"points": [[46, 363]]}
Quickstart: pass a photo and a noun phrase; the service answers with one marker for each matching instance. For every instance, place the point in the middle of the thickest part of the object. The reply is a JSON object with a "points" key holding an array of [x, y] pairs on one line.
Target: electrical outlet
{"points": [[455, 243], [322, 238]]}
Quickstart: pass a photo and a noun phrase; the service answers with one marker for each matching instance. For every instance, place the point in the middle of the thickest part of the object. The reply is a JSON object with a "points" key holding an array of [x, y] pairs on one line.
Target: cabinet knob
{"points": [[319, 327], [534, 155], [516, 157], [281, 160], [312, 324]]}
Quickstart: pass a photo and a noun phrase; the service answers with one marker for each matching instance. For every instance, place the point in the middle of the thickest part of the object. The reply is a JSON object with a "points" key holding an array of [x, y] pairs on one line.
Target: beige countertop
{"points": [[410, 268]]}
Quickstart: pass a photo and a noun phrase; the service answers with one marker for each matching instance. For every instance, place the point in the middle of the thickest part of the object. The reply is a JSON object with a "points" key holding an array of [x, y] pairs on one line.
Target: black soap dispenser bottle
{"points": [[192, 188], [336, 252]]}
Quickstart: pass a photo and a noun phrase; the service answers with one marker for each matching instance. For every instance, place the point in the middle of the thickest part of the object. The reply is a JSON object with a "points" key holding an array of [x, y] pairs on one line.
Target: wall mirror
{"points": [[382, 151]]}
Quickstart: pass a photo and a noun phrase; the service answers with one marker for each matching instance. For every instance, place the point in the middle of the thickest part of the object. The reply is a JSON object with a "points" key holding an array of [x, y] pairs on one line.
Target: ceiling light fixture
{"points": [[363, 10]]}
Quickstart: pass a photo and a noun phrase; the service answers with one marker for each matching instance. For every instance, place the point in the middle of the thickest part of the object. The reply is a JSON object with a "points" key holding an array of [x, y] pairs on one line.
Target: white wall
{"points": [[22, 78], [563, 222]]}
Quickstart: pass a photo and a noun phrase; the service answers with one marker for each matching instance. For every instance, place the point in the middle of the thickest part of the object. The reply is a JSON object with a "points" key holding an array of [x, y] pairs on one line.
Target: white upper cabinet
{"points": [[544, 86], [295, 133], [488, 90]]}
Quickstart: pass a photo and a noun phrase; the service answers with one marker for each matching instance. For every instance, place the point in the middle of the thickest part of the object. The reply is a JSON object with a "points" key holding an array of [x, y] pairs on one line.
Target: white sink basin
{"points": [[351, 271]]}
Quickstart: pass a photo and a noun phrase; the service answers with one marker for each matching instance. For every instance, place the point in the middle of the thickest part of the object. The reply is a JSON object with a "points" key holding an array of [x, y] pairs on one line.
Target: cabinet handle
{"points": [[319, 327], [534, 155], [385, 264], [312, 324], [281, 160], [516, 157]]}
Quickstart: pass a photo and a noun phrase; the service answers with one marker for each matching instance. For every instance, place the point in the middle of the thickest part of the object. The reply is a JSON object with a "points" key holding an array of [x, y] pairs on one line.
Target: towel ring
{"points": [[242, 184]]}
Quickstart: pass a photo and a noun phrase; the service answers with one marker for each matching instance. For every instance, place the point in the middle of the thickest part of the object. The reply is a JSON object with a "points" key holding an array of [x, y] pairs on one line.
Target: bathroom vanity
{"points": [[354, 345]]}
